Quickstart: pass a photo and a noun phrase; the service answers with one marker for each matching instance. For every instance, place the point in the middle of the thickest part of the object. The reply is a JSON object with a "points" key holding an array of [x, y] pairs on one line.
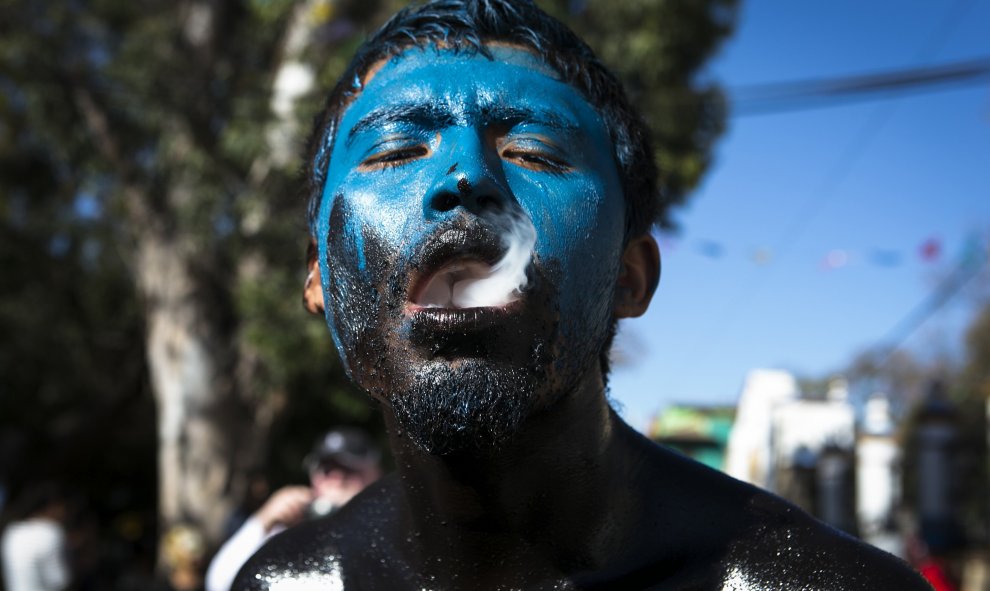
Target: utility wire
{"points": [[707, 341], [788, 96], [965, 271]]}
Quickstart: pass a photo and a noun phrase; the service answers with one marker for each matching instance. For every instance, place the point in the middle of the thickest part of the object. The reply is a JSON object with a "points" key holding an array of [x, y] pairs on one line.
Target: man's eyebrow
{"points": [[434, 116], [424, 115], [509, 115]]}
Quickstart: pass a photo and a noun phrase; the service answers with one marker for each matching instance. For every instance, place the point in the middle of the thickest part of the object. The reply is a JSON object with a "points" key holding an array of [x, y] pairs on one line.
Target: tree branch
{"points": [[98, 125]]}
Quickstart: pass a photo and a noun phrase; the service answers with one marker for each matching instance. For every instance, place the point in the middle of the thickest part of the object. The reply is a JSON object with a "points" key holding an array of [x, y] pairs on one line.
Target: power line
{"points": [[812, 206], [803, 94], [967, 270]]}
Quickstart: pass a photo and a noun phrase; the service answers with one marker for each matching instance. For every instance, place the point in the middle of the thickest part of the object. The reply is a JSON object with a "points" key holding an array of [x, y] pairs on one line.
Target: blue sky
{"points": [[860, 177]]}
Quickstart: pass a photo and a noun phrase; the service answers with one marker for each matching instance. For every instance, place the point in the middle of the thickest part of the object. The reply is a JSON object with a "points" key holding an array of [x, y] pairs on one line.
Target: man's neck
{"points": [[556, 489]]}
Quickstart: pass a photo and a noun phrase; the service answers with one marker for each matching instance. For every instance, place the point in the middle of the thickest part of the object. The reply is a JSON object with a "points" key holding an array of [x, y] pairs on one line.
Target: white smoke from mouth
{"points": [[474, 284], [507, 278]]}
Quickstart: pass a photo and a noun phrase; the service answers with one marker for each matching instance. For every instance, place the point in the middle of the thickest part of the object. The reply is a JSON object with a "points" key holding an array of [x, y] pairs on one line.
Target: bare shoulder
{"points": [[303, 554], [782, 547], [321, 554], [732, 536]]}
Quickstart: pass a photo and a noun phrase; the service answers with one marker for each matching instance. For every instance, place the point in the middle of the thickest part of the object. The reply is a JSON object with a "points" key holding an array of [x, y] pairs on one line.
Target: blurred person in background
{"points": [[341, 464], [33, 545], [933, 568]]}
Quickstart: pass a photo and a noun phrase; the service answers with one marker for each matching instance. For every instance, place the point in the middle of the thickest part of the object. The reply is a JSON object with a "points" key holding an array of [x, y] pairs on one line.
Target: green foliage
{"points": [[972, 393], [74, 402], [976, 373], [657, 48]]}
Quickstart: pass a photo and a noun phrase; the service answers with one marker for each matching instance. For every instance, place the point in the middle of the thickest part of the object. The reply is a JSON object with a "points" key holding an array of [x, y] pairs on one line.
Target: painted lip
{"points": [[463, 320]]}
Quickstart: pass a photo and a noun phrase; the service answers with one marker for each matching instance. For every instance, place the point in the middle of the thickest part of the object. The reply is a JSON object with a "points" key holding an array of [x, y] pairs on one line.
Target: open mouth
{"points": [[469, 294], [463, 268], [463, 284]]}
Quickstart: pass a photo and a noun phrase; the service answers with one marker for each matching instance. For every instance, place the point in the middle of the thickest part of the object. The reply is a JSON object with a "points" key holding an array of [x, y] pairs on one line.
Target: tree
{"points": [[657, 48], [897, 374], [167, 134], [972, 393], [157, 115], [909, 381], [975, 378]]}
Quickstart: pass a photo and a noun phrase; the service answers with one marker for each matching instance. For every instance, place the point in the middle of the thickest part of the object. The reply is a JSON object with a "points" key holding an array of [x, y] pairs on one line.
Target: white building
{"points": [[749, 455], [878, 490]]}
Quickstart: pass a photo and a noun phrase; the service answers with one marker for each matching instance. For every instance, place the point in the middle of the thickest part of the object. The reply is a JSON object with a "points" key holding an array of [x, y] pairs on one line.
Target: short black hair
{"points": [[468, 25]]}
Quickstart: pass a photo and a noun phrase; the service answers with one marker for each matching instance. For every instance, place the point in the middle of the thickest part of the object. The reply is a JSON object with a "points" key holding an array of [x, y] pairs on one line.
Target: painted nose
{"points": [[471, 181]]}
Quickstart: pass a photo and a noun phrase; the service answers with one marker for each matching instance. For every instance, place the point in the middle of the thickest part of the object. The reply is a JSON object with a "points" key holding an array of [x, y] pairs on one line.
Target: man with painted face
{"points": [[482, 195]]}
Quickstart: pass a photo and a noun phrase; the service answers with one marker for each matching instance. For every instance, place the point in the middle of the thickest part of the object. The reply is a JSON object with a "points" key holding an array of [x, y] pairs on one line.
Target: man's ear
{"points": [[638, 277], [313, 288]]}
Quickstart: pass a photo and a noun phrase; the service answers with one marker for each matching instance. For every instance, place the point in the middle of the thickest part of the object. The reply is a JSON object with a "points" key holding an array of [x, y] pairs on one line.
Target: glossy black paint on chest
{"points": [[765, 545]]}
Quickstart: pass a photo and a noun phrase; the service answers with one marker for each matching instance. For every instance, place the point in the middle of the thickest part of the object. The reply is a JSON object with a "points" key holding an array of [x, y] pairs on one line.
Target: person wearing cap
{"points": [[341, 464]]}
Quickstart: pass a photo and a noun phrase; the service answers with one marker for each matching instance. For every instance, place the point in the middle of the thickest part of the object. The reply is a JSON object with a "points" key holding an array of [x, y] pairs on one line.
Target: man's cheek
{"points": [[353, 300]]}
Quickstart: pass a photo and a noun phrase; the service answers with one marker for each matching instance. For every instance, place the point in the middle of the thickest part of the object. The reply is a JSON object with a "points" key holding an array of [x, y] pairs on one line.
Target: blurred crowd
{"points": [[51, 538]]}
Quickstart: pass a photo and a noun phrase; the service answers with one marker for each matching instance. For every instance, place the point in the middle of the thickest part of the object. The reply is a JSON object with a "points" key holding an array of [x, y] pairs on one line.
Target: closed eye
{"points": [[393, 157], [536, 160]]}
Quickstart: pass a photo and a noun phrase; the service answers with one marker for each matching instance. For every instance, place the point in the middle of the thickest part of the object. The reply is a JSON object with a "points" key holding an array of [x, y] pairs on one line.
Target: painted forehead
{"points": [[452, 82], [504, 53]]}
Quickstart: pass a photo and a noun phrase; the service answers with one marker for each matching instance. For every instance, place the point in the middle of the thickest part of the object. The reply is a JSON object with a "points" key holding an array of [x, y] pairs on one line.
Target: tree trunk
{"points": [[202, 424], [213, 422]]}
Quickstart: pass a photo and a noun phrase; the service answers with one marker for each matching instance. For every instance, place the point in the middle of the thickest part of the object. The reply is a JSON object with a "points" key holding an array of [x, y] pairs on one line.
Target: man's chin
{"points": [[469, 407]]}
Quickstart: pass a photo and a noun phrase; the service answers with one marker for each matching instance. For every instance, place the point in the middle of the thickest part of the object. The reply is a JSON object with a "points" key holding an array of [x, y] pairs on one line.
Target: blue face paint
{"points": [[435, 142]]}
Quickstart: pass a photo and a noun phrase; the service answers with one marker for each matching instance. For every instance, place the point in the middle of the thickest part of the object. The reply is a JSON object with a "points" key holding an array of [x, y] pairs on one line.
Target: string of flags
{"points": [[975, 250]]}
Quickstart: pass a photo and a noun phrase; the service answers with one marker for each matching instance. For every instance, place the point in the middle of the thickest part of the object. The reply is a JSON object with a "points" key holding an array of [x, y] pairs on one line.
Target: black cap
{"points": [[348, 447]]}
